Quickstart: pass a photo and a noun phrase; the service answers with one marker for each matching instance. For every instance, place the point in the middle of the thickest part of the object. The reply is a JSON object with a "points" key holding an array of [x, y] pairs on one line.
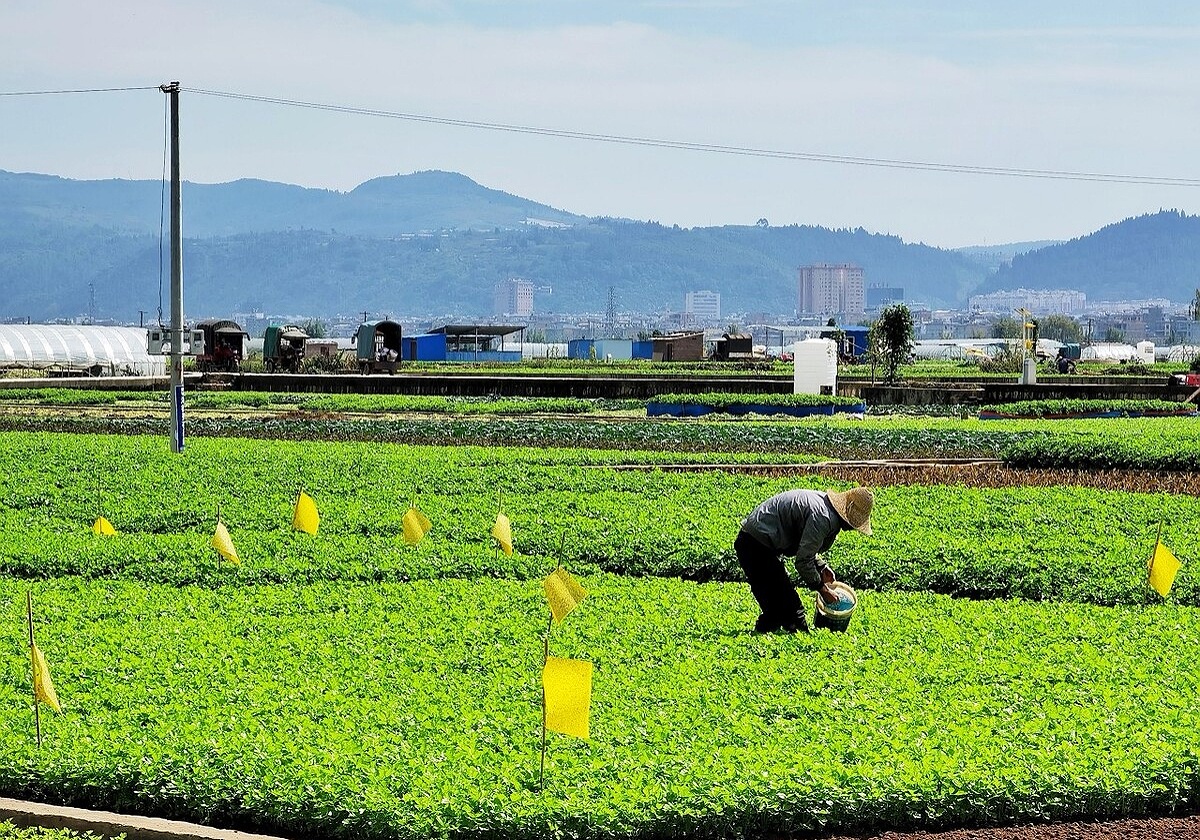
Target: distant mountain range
{"points": [[433, 244]]}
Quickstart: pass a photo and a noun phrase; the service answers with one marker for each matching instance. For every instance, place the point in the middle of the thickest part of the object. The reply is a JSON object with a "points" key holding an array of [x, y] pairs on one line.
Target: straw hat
{"points": [[854, 506]]}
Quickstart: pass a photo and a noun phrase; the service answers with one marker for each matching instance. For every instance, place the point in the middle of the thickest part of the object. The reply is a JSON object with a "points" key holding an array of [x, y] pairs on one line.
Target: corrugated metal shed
{"points": [[105, 351]]}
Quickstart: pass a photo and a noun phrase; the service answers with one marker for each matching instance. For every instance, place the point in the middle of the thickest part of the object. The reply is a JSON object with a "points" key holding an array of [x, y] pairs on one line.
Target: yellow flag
{"points": [[502, 531], [43, 689], [567, 688], [416, 525], [222, 543], [103, 527], [563, 593], [306, 517], [1163, 566]]}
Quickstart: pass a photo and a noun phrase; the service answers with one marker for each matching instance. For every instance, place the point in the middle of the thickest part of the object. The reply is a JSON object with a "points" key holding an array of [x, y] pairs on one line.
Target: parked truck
{"points": [[283, 348], [378, 347]]}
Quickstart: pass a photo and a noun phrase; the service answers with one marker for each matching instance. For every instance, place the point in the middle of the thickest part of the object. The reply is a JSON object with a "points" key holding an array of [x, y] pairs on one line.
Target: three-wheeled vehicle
{"points": [[377, 346], [224, 345], [283, 348]]}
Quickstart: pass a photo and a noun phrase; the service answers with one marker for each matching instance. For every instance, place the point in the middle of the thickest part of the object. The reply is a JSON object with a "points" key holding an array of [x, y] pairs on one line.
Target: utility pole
{"points": [[172, 91]]}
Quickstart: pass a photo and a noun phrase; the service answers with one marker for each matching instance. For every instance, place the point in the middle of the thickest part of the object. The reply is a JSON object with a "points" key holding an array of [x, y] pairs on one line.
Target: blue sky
{"points": [[1098, 87]]}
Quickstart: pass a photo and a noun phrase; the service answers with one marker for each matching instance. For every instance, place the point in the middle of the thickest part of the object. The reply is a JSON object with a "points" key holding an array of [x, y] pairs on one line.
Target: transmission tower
{"points": [[610, 314]]}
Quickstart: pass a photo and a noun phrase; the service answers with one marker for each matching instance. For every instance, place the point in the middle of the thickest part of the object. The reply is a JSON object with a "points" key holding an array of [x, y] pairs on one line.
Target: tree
{"points": [[1196, 306], [1062, 328], [1114, 335], [891, 340], [1006, 327], [314, 328]]}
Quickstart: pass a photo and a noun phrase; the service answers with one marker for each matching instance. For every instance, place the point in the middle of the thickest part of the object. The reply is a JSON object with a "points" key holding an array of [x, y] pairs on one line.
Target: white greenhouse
{"points": [[98, 351]]}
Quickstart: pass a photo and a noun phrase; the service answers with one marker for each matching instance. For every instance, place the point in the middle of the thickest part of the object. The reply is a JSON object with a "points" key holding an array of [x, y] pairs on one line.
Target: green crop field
{"points": [[1007, 661]]}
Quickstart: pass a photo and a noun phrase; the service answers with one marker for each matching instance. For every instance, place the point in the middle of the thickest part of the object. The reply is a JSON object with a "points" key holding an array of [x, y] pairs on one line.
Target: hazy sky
{"points": [[1083, 87]]}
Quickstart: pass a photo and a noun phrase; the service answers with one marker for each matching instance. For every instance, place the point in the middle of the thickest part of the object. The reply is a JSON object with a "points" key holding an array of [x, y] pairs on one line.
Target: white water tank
{"points": [[815, 366], [1145, 352]]}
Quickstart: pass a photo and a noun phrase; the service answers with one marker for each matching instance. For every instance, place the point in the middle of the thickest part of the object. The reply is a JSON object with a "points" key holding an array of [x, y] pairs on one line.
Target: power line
{"points": [[746, 151], [76, 90]]}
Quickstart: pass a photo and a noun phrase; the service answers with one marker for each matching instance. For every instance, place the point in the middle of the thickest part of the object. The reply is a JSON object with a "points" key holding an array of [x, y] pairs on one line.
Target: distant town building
{"points": [[832, 290], [1037, 301], [678, 347], [514, 296], [704, 307], [881, 296]]}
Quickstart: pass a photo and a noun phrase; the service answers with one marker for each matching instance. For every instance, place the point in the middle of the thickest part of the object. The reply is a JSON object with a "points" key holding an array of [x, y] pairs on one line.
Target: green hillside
{"points": [[435, 243], [1156, 255]]}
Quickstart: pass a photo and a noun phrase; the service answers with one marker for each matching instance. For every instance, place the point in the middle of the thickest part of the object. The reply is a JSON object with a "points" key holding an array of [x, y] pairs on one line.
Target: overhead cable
{"points": [[746, 151], [75, 90]]}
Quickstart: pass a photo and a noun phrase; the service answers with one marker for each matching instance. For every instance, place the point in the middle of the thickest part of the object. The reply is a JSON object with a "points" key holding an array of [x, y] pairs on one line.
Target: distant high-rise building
{"points": [[832, 290], [514, 296], [704, 306]]}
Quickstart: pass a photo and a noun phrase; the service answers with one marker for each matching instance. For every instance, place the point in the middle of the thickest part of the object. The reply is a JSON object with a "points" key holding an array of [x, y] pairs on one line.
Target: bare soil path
{"points": [[1169, 828]]}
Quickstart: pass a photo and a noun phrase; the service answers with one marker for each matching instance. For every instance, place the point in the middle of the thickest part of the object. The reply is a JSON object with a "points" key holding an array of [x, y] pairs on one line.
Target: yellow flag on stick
{"points": [[222, 543], [563, 593], [567, 693], [43, 688], [502, 531], [416, 525], [306, 518], [103, 527], [1163, 566]]}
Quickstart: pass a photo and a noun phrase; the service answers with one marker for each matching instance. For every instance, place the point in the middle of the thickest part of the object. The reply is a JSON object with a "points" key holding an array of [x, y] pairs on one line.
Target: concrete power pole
{"points": [[172, 91]]}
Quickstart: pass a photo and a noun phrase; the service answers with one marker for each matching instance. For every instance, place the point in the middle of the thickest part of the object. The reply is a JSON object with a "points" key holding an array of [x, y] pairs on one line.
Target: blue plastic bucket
{"points": [[836, 618]]}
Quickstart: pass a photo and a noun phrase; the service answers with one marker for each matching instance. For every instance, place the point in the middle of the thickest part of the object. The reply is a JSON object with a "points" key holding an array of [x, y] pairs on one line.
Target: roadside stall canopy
{"points": [[100, 351]]}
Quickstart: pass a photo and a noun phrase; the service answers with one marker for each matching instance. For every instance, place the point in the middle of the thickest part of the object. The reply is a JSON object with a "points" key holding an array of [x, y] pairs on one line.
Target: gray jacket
{"points": [[799, 522]]}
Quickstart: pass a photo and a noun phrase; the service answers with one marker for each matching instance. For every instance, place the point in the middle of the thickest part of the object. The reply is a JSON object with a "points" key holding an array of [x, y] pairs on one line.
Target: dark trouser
{"points": [[769, 580]]}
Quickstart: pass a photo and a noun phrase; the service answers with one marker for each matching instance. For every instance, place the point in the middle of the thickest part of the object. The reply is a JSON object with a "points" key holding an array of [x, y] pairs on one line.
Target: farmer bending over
{"points": [[803, 523]]}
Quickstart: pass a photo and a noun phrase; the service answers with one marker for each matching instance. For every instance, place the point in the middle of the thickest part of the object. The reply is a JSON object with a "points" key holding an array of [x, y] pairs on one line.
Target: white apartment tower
{"points": [[703, 306], [513, 296], [832, 290]]}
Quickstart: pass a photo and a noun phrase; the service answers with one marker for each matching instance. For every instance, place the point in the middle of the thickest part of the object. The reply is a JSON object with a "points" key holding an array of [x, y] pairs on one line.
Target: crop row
{"points": [[830, 438], [724, 399], [1142, 443], [1056, 543], [1068, 407], [317, 402], [412, 710]]}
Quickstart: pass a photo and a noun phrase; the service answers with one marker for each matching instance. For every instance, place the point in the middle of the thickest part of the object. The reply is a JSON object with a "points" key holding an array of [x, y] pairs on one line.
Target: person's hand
{"points": [[827, 575], [828, 594]]}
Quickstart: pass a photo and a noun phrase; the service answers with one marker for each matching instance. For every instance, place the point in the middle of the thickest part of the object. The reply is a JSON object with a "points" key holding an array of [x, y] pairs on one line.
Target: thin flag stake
{"points": [[545, 659], [37, 716], [496, 549], [1157, 540]]}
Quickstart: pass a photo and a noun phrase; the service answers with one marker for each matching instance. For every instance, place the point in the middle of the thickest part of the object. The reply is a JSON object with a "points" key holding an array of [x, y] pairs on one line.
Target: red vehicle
{"points": [[224, 345]]}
